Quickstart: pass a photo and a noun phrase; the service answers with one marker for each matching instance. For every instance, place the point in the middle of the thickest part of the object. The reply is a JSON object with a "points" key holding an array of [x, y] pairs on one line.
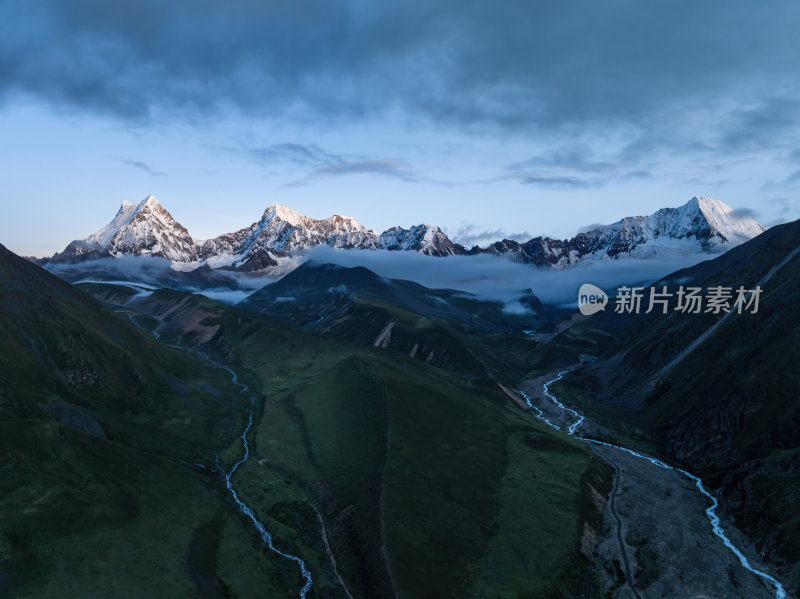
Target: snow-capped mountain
{"points": [[282, 231], [143, 228], [425, 239], [146, 228], [700, 225]]}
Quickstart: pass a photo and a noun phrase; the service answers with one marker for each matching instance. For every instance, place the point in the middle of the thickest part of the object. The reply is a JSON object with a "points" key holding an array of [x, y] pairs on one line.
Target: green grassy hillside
{"points": [[389, 475], [99, 427], [469, 335], [429, 482]]}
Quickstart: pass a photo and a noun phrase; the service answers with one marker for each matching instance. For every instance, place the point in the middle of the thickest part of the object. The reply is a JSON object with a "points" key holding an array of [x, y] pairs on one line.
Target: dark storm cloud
{"points": [[143, 167], [548, 65]]}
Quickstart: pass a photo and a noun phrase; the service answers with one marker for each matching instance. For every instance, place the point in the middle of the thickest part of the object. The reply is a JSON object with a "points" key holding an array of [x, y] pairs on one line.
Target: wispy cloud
{"points": [[786, 209], [142, 166], [574, 157], [549, 180], [560, 181], [570, 166], [744, 212], [792, 180], [325, 164], [303, 155], [771, 122], [394, 169], [637, 175], [794, 177]]}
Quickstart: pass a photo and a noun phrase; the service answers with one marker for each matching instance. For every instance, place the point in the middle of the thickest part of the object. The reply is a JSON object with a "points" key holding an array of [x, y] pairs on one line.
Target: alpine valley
{"points": [[325, 430]]}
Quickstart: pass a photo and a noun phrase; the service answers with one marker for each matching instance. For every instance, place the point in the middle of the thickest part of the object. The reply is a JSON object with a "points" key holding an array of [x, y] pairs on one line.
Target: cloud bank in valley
{"points": [[493, 278], [228, 287], [500, 279]]}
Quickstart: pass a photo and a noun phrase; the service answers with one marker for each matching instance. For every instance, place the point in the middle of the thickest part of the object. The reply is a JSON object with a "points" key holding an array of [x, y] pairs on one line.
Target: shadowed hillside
{"points": [[729, 408]]}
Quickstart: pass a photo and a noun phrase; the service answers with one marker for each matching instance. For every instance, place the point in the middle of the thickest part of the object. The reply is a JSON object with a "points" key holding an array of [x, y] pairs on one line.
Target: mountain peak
{"points": [[150, 200], [425, 239], [703, 200], [143, 227], [283, 231], [286, 214], [707, 205], [734, 227]]}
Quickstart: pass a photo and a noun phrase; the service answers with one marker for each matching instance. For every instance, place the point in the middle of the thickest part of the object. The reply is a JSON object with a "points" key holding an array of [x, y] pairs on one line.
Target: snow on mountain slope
{"points": [[283, 231], [143, 228], [708, 221], [126, 212], [726, 222], [424, 239], [702, 225]]}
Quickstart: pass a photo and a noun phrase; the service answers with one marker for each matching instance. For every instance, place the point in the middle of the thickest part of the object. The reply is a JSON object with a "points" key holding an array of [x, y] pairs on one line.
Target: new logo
{"points": [[591, 299]]}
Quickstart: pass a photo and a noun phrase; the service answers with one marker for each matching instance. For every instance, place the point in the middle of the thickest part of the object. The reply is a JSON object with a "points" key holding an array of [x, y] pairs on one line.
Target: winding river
{"points": [[711, 511], [266, 536]]}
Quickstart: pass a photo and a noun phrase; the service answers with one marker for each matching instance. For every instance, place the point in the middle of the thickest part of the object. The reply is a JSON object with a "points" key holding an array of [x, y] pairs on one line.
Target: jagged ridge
{"points": [[710, 223], [143, 228], [146, 228]]}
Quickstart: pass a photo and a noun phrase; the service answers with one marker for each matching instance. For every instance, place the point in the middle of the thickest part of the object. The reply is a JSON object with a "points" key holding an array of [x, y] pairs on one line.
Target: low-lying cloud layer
{"points": [[493, 278], [498, 278], [228, 287]]}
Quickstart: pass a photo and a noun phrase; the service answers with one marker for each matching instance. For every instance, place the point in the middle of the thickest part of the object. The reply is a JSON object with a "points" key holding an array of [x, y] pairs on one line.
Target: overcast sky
{"points": [[490, 119]]}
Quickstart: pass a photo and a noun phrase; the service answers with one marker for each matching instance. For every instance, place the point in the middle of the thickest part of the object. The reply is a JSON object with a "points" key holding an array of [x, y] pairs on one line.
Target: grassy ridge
{"points": [[430, 484], [99, 424], [417, 480], [82, 516], [459, 332]]}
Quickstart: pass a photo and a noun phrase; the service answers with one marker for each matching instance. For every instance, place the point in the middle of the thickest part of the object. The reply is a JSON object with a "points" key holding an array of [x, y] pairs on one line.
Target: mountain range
{"points": [[146, 228], [727, 412], [115, 442], [384, 437]]}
